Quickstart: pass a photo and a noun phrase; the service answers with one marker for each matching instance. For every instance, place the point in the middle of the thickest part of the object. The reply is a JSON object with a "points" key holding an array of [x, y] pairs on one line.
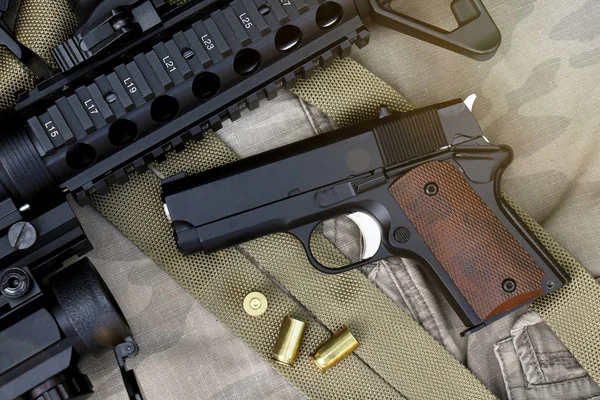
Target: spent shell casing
{"points": [[288, 341], [335, 349], [255, 304]]}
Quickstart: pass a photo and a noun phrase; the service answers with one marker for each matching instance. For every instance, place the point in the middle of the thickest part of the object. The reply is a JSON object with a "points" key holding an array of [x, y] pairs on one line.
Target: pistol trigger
{"points": [[369, 231]]}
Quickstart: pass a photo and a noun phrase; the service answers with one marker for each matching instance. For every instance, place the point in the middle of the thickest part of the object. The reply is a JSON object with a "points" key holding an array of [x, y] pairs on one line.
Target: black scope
{"points": [[41, 350]]}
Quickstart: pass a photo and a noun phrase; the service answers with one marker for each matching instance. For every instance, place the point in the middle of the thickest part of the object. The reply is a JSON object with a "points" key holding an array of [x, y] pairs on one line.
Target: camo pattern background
{"points": [[540, 95]]}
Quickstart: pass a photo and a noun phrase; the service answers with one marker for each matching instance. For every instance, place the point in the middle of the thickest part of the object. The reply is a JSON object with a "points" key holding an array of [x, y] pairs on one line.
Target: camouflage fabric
{"points": [[539, 95]]}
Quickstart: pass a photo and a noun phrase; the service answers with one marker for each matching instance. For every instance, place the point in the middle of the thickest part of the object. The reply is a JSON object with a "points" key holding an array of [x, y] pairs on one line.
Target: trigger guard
{"points": [[304, 232]]}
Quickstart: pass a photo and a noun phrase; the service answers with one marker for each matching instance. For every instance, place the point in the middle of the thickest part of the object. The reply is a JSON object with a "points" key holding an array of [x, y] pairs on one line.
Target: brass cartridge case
{"points": [[288, 341], [335, 349], [255, 304]]}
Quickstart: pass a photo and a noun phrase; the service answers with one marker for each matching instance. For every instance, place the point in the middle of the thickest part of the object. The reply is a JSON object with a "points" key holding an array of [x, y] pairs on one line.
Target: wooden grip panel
{"points": [[467, 239]]}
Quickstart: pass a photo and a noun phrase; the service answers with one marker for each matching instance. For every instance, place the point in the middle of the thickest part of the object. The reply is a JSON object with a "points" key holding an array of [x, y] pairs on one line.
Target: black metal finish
{"points": [[294, 188], [208, 60], [41, 349], [85, 306], [127, 349], [78, 138], [115, 22], [54, 315]]}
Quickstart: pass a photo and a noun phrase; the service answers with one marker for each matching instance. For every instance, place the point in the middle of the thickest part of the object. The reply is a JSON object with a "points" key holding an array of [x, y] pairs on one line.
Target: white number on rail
{"points": [[52, 131], [169, 64], [130, 85], [245, 21], [91, 106], [207, 42]]}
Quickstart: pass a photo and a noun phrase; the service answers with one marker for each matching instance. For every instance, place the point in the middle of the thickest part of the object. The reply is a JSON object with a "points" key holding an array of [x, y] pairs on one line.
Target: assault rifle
{"points": [[137, 79]]}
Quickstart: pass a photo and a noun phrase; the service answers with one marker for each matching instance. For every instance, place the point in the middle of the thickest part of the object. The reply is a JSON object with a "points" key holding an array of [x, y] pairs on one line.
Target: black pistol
{"points": [[423, 184]]}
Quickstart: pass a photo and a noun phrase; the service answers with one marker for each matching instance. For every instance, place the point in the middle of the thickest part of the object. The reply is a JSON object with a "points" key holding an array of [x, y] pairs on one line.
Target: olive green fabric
{"points": [[349, 93]]}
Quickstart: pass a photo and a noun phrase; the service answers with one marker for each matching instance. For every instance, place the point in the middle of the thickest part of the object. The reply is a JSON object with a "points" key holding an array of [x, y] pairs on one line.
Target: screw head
{"points": [[431, 189], [22, 235], [110, 97], [550, 285], [188, 53], [264, 9], [509, 285]]}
